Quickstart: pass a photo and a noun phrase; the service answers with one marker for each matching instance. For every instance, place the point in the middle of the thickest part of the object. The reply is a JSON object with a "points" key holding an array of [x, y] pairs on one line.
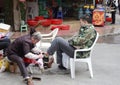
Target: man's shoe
{"points": [[29, 81], [112, 23], [61, 67], [51, 60]]}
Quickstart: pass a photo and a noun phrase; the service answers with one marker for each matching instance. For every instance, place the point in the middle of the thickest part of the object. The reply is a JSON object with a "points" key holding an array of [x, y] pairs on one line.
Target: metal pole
{"points": [[94, 2]]}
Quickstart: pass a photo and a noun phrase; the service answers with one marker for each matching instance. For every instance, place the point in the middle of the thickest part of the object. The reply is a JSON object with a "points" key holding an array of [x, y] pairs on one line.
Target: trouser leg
{"points": [[113, 17], [59, 57], [4, 44], [61, 45], [20, 63], [6, 40]]}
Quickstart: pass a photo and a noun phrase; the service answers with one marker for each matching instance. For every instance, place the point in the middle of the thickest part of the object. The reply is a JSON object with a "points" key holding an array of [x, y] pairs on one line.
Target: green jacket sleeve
{"points": [[85, 35]]}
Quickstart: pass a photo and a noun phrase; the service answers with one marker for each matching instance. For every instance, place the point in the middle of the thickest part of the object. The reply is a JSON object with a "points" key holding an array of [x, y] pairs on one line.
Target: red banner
{"points": [[98, 18]]}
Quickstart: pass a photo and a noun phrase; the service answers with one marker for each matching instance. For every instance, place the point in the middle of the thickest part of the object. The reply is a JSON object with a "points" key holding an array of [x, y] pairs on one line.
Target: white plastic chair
{"points": [[48, 38], [46, 41], [86, 60]]}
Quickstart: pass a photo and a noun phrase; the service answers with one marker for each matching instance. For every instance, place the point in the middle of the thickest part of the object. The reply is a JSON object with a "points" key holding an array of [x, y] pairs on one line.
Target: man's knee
{"points": [[20, 60], [16, 59], [59, 39]]}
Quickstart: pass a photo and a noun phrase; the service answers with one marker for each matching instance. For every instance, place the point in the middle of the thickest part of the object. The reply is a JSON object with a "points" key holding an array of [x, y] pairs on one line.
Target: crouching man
{"points": [[21, 48]]}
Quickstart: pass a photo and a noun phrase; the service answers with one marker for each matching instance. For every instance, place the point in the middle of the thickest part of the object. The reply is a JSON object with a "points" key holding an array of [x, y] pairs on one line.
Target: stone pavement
{"points": [[105, 60]]}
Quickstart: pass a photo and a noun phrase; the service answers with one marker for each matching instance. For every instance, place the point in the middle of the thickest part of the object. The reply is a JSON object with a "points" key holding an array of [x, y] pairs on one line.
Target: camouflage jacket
{"points": [[84, 39]]}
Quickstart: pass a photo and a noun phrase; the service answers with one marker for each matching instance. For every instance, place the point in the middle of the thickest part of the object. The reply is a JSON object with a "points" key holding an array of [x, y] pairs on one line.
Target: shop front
{"points": [[60, 8], [102, 12], [6, 14], [29, 9], [98, 17]]}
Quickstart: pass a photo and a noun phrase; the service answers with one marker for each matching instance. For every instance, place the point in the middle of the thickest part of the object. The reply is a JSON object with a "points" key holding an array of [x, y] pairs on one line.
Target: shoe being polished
{"points": [[51, 60]]}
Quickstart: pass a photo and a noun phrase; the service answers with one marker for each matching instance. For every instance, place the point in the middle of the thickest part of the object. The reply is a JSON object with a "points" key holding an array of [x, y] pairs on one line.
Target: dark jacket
{"points": [[113, 6], [20, 46]]}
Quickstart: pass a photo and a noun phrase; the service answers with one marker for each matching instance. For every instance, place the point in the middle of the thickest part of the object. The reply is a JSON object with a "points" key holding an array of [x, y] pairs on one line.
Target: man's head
{"points": [[86, 19], [36, 37]]}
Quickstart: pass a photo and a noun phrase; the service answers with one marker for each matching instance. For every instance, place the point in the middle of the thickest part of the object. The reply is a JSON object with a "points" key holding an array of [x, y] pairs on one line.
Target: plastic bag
{"points": [[4, 64]]}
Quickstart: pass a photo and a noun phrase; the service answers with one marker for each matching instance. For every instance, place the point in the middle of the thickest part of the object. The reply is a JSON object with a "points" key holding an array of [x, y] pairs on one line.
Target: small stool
{"points": [[23, 26], [65, 27], [56, 21], [60, 14], [108, 19], [55, 26]]}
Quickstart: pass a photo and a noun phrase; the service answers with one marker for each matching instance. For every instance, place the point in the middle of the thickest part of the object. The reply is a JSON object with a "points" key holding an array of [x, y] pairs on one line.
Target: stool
{"points": [[32, 22], [23, 26], [108, 19], [46, 23], [56, 21], [55, 26], [65, 27], [60, 14]]}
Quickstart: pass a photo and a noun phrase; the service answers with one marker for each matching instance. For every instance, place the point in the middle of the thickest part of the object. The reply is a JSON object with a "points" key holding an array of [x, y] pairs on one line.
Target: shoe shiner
{"points": [[21, 48]]}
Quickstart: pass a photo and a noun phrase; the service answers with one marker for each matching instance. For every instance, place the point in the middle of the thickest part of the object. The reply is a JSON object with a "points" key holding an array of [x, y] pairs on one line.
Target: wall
{"points": [[1, 3], [34, 10], [16, 12]]}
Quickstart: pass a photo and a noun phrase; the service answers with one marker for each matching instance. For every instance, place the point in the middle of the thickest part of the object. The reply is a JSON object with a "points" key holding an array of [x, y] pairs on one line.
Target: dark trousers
{"points": [[119, 8], [20, 62], [4, 43], [113, 17], [60, 46]]}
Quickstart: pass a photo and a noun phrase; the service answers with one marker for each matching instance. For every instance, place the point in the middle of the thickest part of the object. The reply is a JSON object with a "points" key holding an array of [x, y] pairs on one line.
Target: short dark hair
{"points": [[87, 18]]}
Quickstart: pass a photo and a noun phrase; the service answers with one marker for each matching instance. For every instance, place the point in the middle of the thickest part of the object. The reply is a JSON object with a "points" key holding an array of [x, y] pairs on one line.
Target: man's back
{"points": [[21, 46]]}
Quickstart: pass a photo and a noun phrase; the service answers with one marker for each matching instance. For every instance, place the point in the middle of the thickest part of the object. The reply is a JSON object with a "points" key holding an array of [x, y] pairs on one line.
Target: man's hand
{"points": [[40, 55]]}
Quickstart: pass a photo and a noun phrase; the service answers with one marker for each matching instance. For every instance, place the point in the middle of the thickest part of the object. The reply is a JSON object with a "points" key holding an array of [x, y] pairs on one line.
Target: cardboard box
{"points": [[4, 27]]}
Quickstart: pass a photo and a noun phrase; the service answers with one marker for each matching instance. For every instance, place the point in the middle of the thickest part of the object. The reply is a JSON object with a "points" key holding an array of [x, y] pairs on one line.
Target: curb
{"points": [[110, 34]]}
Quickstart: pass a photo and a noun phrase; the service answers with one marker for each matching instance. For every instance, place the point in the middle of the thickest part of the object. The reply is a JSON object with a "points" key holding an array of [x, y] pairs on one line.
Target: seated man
{"points": [[21, 48], [84, 39], [4, 43]]}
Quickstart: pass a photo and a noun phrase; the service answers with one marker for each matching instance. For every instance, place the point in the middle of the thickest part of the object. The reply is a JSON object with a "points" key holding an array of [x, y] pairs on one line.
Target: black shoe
{"points": [[61, 67], [112, 23]]}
